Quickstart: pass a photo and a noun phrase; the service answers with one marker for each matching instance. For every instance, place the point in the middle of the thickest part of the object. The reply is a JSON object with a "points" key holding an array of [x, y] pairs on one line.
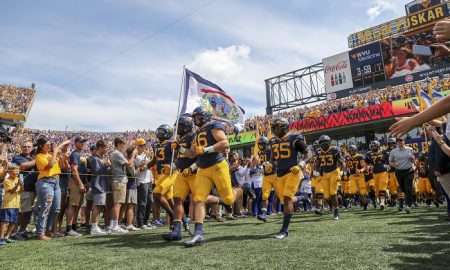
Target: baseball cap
{"points": [[140, 141], [93, 148], [80, 139]]}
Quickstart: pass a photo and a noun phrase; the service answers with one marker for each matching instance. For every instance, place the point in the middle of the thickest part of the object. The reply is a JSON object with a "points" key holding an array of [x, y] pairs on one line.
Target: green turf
{"points": [[360, 240]]}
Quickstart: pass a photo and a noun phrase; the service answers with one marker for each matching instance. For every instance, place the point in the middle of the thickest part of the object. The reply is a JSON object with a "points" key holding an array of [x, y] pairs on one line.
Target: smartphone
{"points": [[422, 50], [21, 177]]}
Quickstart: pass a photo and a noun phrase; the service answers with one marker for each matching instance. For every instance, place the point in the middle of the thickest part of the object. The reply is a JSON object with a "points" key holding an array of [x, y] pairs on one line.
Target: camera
{"points": [[4, 136]]}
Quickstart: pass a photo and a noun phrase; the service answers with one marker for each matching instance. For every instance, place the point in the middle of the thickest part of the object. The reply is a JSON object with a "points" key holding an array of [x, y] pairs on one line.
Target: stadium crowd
{"points": [[15, 100]]}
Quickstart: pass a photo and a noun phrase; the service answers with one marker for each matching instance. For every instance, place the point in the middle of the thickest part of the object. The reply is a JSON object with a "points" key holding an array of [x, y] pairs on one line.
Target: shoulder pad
{"points": [[295, 136], [215, 125]]}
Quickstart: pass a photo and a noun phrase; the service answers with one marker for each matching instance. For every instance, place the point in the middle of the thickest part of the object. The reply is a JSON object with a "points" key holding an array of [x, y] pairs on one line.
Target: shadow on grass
{"points": [[152, 241], [430, 237]]}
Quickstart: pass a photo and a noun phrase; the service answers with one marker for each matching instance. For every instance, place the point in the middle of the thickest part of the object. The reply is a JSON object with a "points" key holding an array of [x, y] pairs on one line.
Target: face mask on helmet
{"points": [[280, 127], [163, 133], [185, 125], [374, 147], [262, 143], [325, 145]]}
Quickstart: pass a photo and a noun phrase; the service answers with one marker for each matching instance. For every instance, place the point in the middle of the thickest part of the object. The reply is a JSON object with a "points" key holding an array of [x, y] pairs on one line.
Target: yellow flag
{"points": [[256, 148]]}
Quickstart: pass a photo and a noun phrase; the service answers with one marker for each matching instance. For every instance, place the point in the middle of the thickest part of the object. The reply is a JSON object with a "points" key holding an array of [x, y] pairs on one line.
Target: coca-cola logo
{"points": [[409, 78], [340, 65]]}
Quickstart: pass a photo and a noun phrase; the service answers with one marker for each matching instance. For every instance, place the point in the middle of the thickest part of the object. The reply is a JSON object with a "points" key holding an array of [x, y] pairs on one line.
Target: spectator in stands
{"points": [[9, 212], [100, 185], [47, 186], [144, 188], [119, 165], [76, 186], [27, 165]]}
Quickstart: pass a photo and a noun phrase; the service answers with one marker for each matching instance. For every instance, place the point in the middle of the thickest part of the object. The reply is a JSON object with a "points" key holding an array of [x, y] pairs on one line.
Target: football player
{"points": [[425, 191], [213, 170], [269, 178], [285, 148], [185, 181], [163, 191], [329, 160], [357, 183], [378, 159], [315, 174], [392, 179]]}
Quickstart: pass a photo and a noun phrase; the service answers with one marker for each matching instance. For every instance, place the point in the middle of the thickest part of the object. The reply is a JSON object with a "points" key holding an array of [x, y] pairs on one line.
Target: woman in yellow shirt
{"points": [[47, 186]]}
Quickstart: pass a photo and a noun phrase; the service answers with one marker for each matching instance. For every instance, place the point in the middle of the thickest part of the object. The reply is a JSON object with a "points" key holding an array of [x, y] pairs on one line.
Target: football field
{"points": [[360, 240]]}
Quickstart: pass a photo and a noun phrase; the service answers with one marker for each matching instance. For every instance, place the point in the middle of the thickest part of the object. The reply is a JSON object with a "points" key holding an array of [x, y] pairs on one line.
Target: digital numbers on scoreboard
{"points": [[368, 74], [367, 65]]}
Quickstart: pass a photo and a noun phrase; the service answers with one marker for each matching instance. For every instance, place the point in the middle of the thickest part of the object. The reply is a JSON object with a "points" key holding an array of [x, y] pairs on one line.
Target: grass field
{"points": [[360, 240]]}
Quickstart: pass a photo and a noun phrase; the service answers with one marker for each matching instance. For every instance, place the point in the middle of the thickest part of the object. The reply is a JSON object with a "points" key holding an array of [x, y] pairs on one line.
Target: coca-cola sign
{"points": [[337, 72], [338, 66]]}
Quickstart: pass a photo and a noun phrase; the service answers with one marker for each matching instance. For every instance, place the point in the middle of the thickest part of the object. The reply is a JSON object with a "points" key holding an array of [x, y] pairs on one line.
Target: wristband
{"points": [[193, 167], [182, 150], [302, 164], [209, 149]]}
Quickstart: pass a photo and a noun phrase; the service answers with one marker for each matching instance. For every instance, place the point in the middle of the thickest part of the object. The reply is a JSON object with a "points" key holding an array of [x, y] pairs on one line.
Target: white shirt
{"points": [[242, 175], [256, 179], [145, 176]]}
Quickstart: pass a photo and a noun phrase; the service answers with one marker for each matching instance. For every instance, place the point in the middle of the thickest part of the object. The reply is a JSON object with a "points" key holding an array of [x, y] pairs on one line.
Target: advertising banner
{"points": [[406, 24], [337, 73], [367, 64], [375, 112]]}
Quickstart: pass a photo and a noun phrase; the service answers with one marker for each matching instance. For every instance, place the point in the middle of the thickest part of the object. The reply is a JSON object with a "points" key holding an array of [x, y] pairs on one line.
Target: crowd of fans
{"points": [[15, 100], [21, 135]]}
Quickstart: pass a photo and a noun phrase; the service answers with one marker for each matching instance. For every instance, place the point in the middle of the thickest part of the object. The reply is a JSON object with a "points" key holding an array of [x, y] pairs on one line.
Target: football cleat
{"points": [[172, 236], [262, 218], [336, 216], [382, 207], [318, 212], [195, 241], [281, 235]]}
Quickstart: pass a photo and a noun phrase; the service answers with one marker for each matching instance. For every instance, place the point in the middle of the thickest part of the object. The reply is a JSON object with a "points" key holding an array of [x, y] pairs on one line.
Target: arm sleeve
{"points": [[74, 158], [8, 184], [17, 160], [300, 145], [41, 162], [119, 157]]}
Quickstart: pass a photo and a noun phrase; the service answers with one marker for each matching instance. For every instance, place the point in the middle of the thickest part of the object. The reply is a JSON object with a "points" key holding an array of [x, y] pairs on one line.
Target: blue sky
{"points": [[236, 44]]}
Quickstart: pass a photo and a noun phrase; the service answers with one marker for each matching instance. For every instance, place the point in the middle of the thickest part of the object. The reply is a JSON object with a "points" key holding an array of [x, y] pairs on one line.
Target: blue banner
{"points": [[366, 55]]}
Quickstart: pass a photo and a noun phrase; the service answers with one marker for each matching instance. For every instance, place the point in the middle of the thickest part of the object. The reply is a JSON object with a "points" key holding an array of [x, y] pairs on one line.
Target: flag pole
{"points": [[176, 121]]}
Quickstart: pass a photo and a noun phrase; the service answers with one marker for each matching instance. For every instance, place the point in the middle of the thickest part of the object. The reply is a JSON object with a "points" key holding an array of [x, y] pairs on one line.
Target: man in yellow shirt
{"points": [[9, 212]]}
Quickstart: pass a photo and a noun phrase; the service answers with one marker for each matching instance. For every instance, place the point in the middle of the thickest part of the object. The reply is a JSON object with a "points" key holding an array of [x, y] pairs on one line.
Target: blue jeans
{"points": [[49, 198], [256, 204]]}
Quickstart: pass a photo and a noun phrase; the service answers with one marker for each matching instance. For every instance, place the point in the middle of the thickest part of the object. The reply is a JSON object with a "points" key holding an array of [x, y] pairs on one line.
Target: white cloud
{"points": [[374, 12], [384, 5], [222, 62]]}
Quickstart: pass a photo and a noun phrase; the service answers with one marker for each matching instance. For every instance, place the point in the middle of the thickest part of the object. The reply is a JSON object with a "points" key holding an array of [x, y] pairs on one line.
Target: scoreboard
{"points": [[367, 65]]}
